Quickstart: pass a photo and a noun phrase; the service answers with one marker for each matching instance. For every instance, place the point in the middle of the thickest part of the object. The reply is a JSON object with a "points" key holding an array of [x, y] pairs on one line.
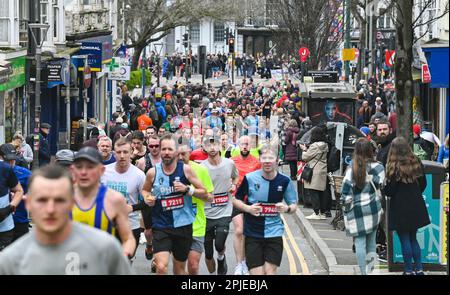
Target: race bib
{"points": [[268, 210], [172, 202], [220, 200]]}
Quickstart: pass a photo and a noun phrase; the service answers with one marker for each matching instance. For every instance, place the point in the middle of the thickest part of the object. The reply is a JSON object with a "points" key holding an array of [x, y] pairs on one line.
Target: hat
{"points": [[89, 153], [417, 129], [119, 120], [365, 130], [8, 152], [46, 126], [65, 157]]}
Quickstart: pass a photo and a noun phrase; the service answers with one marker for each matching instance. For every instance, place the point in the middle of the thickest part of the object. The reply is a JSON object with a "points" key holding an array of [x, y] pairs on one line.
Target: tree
{"points": [[309, 24], [152, 20], [405, 24]]}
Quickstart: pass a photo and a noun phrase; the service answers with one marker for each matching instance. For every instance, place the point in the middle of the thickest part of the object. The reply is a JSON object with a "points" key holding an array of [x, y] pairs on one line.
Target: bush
{"points": [[136, 79]]}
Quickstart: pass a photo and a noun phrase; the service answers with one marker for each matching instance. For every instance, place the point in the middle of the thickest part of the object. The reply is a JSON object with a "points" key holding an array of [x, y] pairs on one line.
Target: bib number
{"points": [[220, 200], [172, 203], [268, 210]]}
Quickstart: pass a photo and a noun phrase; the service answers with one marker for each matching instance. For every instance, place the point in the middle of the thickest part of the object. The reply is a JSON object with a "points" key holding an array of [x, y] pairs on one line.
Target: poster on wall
{"points": [[331, 110]]}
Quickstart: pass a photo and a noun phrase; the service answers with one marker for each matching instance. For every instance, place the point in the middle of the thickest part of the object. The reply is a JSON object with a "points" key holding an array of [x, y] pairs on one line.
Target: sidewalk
{"points": [[334, 247]]}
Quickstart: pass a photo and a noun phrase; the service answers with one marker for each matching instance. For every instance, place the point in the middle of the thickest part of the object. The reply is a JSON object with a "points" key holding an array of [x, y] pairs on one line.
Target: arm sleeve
{"points": [[242, 190], [309, 154], [440, 158], [390, 189], [290, 195]]}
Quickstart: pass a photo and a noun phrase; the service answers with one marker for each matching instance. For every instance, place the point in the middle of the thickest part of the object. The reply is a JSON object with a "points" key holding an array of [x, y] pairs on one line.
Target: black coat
{"points": [[407, 210], [44, 150]]}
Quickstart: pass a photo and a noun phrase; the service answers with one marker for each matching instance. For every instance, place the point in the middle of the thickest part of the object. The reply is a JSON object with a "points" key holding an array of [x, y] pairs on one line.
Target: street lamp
{"points": [[124, 7], [43, 28]]}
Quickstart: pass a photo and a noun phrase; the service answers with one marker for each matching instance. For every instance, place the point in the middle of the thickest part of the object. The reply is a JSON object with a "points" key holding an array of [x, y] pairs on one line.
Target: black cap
{"points": [[46, 125], [89, 153], [8, 152]]}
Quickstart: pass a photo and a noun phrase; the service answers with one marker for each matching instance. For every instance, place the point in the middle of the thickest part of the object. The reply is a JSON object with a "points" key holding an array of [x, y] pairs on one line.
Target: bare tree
{"points": [[405, 23], [309, 24], [151, 20]]}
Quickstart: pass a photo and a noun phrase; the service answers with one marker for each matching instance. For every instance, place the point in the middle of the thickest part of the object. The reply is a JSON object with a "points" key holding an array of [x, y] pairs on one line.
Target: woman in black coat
{"points": [[291, 155], [407, 212]]}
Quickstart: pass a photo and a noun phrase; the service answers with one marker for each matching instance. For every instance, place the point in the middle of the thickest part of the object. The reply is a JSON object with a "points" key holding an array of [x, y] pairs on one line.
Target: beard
{"points": [[168, 161], [245, 153]]}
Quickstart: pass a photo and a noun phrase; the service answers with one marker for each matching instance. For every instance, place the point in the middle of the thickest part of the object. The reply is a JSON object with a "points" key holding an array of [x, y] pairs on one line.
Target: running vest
{"points": [[171, 210], [96, 215]]}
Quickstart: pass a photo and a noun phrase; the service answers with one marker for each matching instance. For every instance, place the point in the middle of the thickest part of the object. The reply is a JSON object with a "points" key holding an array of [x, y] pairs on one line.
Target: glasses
{"points": [[154, 146]]}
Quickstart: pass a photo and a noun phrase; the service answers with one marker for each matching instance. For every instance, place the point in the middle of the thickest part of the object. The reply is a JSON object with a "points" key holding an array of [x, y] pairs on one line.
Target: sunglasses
{"points": [[154, 146]]}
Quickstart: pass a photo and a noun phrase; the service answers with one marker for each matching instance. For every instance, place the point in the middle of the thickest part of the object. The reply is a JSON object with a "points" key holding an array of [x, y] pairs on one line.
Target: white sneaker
{"points": [[314, 216], [244, 268], [238, 270]]}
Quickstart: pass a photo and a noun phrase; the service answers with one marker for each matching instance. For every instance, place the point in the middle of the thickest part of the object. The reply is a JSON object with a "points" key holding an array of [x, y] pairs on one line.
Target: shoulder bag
{"points": [[307, 173]]}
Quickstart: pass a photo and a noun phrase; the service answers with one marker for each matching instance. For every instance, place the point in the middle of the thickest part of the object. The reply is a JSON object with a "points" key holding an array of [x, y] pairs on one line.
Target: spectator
{"points": [[291, 155], [443, 153], [44, 146]]}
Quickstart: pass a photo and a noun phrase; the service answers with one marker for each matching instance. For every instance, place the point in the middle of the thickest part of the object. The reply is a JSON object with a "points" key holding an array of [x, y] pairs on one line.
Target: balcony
{"points": [[86, 21]]}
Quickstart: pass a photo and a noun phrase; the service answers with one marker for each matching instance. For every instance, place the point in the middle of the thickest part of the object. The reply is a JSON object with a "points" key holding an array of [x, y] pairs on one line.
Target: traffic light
{"points": [[368, 56], [231, 44], [185, 39], [227, 35]]}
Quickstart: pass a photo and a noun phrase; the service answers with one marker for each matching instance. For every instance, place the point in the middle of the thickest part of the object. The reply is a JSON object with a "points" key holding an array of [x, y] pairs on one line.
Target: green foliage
{"points": [[136, 78]]}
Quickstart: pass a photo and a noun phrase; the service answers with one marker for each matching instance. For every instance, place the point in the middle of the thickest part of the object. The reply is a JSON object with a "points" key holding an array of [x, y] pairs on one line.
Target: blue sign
{"points": [[94, 50], [428, 236]]}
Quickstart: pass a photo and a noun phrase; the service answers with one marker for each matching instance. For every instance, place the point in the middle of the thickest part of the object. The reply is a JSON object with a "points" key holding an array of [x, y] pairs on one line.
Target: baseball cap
{"points": [[90, 154], [65, 157], [46, 125], [8, 152]]}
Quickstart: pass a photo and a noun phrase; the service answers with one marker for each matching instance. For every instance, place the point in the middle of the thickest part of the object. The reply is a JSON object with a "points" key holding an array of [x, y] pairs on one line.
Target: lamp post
{"points": [[158, 52], [37, 106]]}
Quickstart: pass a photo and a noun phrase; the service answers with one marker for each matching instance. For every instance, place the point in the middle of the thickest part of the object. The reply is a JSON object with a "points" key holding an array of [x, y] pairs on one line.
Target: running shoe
{"points": [[222, 267]]}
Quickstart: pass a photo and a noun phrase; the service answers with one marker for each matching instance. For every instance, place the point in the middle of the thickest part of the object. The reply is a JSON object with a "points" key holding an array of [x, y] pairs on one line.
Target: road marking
{"points": [[297, 251], [292, 266]]}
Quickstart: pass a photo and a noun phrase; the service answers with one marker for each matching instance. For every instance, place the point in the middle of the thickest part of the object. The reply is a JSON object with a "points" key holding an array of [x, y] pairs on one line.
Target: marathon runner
{"points": [[95, 204], [139, 149], [261, 196], [224, 175], [58, 246], [198, 205], [105, 148], [128, 180], [245, 163], [172, 213]]}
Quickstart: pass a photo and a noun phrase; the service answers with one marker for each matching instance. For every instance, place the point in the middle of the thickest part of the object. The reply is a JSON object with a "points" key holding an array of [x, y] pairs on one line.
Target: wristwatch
{"points": [[187, 189]]}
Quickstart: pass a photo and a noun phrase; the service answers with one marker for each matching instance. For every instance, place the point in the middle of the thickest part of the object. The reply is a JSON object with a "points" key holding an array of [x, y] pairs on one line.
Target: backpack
{"points": [[334, 159], [419, 152]]}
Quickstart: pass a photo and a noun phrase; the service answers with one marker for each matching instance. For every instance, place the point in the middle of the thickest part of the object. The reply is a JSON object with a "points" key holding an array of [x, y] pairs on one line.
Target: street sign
{"points": [[366, 71], [304, 53], [87, 76], [379, 35], [348, 54], [390, 58], [426, 76]]}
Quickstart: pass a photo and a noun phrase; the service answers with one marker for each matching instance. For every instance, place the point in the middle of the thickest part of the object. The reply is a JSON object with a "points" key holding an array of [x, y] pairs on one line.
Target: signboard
{"points": [[444, 223], [390, 58], [426, 75], [94, 50], [87, 77], [366, 70], [356, 50], [57, 72], [304, 53], [277, 75], [348, 54], [121, 73], [14, 77]]}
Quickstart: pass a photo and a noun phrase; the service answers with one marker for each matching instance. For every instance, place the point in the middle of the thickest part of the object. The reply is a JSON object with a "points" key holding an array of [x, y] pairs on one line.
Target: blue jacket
{"points": [[443, 154], [23, 175]]}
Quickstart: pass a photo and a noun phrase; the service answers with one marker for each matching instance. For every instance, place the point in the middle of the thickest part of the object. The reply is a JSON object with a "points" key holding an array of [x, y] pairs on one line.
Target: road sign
{"points": [[348, 54], [390, 58], [379, 35], [304, 53], [426, 76], [87, 76]]}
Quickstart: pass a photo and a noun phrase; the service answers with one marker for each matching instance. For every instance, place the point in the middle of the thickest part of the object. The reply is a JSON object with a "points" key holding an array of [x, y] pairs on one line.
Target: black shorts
{"points": [[236, 212], [214, 226], [147, 217], [261, 250], [175, 240]]}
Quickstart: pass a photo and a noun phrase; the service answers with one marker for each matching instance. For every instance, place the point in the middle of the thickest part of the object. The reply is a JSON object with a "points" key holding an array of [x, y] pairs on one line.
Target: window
{"points": [[4, 21], [194, 31], [44, 11], [219, 32], [271, 8], [55, 22]]}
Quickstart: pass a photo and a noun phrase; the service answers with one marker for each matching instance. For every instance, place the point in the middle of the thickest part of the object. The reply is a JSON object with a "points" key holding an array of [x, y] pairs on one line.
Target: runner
{"points": [[57, 245], [245, 163], [8, 184], [139, 149], [218, 213], [172, 214], [198, 204], [261, 196], [95, 204], [105, 148], [128, 180]]}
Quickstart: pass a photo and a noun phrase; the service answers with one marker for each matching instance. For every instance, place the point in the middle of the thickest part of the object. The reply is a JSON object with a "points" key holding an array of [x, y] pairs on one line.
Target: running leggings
{"points": [[216, 234]]}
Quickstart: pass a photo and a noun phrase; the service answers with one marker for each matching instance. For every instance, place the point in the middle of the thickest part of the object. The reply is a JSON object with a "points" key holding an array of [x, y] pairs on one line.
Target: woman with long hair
{"points": [[316, 157], [407, 211], [361, 200]]}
